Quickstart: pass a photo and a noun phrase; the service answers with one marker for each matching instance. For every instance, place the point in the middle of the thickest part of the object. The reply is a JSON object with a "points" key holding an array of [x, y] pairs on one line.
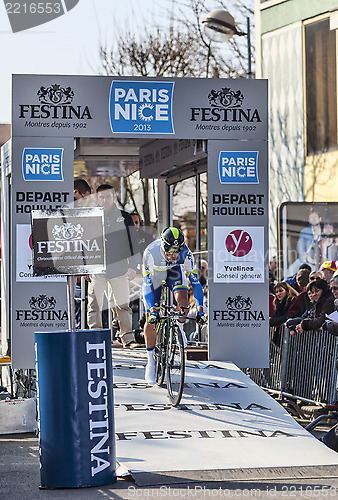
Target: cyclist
{"points": [[167, 259]]}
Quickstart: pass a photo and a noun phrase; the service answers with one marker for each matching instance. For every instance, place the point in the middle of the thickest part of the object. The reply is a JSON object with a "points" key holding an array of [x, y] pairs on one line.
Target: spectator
{"points": [[272, 280], [314, 275], [302, 302], [203, 276], [115, 281], [330, 326], [293, 322], [292, 281], [328, 268], [81, 191], [323, 304], [285, 296]]}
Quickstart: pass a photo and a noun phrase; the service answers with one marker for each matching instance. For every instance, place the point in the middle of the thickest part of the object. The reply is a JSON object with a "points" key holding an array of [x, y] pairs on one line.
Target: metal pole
{"points": [[198, 240], [170, 206], [249, 46], [71, 303], [198, 213], [83, 303]]}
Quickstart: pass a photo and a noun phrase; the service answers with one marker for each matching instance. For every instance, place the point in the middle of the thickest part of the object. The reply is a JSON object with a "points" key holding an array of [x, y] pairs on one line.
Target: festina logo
{"points": [[42, 308], [55, 102], [67, 246], [225, 105], [238, 309], [98, 407]]}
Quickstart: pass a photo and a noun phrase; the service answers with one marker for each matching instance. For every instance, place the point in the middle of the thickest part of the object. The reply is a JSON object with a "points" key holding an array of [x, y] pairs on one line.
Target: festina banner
{"points": [[42, 179], [238, 234], [68, 241], [105, 106]]}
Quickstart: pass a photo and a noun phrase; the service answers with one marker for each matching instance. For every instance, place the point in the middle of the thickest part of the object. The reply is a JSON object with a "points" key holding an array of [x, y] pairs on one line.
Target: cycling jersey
{"points": [[157, 269]]}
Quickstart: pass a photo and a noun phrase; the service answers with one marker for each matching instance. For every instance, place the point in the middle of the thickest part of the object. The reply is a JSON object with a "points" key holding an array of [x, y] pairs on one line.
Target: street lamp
{"points": [[220, 26]]}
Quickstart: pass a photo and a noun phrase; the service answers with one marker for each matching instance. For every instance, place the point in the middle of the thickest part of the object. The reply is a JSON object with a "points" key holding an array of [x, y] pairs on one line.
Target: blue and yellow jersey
{"points": [[156, 269]]}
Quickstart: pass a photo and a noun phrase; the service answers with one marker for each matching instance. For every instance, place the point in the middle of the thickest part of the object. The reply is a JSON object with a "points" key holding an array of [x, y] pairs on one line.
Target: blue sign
{"points": [[238, 167], [42, 164], [141, 107]]}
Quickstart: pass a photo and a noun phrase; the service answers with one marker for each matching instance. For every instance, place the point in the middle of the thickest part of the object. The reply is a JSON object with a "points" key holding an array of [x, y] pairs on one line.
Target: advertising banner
{"points": [[42, 179], [105, 106], [68, 241], [75, 408], [238, 247], [49, 111], [24, 257]]}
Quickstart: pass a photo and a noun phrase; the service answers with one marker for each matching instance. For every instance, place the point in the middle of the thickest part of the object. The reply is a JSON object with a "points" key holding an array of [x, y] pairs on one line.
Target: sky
{"points": [[66, 45]]}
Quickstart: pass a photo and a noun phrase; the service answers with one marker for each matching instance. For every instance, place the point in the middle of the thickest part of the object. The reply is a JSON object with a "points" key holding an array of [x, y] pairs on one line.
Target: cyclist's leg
{"points": [[177, 281], [150, 340]]}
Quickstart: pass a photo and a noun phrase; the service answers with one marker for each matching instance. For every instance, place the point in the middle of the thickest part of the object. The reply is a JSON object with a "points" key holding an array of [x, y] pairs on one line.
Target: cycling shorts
{"points": [[175, 278]]}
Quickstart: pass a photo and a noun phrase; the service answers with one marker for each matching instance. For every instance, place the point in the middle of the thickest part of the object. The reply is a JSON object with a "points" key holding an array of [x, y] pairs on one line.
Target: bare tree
{"points": [[156, 53], [179, 48]]}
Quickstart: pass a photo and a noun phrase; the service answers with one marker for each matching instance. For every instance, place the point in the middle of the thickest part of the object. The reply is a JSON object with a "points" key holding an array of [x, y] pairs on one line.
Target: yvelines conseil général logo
{"points": [[26, 14]]}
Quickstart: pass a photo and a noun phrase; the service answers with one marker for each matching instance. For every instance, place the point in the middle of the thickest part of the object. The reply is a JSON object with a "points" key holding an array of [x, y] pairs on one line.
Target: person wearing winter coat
{"points": [[302, 302], [284, 297], [330, 326], [323, 304]]}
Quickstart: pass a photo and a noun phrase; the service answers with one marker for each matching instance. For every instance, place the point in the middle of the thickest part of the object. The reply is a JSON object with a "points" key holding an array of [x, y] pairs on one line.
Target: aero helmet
{"points": [[172, 240]]}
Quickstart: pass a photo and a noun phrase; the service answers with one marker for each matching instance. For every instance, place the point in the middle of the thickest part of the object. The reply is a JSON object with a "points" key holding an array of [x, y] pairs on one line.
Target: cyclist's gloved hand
{"points": [[153, 318], [200, 318]]}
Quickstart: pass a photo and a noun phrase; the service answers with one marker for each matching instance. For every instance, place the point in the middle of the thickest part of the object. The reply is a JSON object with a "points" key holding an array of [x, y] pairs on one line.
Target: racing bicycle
{"points": [[169, 349]]}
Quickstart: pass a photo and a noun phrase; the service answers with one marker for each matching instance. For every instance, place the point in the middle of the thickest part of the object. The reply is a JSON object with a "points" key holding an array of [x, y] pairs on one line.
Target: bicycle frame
{"points": [[169, 350]]}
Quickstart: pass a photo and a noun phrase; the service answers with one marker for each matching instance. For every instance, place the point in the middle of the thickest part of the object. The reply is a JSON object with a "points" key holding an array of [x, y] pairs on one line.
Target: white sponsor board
{"points": [[238, 254]]}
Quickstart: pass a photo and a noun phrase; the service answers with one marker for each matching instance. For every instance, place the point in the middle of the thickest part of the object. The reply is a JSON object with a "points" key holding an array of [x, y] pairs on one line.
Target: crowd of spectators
{"points": [[303, 301]]}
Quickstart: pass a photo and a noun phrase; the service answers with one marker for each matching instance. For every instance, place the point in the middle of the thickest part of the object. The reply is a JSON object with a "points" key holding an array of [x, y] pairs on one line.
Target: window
{"points": [[321, 87]]}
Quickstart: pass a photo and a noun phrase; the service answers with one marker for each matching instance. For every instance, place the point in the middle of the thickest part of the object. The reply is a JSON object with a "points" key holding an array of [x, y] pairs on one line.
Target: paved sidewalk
{"points": [[19, 480]]}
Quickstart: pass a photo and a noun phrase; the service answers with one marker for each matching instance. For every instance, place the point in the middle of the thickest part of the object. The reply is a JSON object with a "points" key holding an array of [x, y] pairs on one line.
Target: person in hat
{"points": [[328, 269]]}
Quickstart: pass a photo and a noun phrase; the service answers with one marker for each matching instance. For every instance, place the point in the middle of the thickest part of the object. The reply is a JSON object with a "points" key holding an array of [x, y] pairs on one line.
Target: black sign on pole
{"points": [[68, 241]]}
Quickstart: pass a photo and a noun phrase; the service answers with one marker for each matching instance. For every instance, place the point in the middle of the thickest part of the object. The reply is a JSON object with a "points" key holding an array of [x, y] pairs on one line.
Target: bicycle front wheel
{"points": [[160, 356], [175, 366]]}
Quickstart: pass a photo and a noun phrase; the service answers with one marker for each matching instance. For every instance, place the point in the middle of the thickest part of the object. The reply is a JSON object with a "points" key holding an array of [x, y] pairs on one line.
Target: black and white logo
{"points": [[225, 105], [55, 94], [42, 302], [42, 308], [238, 303], [225, 98], [67, 231], [54, 102], [239, 309]]}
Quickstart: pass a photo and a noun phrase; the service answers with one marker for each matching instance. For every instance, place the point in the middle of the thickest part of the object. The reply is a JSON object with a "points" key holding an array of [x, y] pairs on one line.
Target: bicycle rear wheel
{"points": [[175, 366], [160, 356]]}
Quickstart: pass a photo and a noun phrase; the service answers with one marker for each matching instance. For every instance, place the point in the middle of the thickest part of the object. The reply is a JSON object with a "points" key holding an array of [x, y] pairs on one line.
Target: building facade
{"points": [[296, 50]]}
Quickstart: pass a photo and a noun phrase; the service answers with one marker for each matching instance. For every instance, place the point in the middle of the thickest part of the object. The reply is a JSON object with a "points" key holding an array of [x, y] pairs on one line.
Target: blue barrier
{"points": [[75, 408]]}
